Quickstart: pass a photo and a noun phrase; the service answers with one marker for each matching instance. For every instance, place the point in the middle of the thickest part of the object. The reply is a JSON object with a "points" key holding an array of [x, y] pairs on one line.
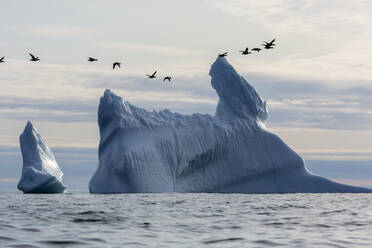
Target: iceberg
{"points": [[231, 152], [40, 172]]}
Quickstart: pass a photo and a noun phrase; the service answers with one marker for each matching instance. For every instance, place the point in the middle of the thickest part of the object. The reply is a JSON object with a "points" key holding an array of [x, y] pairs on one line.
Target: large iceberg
{"points": [[231, 152], [40, 172]]}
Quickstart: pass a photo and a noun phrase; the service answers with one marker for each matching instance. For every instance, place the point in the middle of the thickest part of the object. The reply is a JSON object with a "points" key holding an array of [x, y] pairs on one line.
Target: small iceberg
{"points": [[40, 172]]}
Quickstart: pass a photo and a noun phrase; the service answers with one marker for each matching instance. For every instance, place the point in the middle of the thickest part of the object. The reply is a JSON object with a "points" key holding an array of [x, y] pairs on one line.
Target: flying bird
{"points": [[269, 45], [33, 58], [90, 59], [116, 64], [245, 52], [167, 78], [256, 49], [152, 75], [2, 60], [222, 54]]}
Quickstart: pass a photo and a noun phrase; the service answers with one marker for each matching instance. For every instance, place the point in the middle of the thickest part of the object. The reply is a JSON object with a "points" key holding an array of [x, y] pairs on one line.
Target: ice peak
{"points": [[237, 97], [110, 106], [108, 93], [31, 140], [29, 124], [29, 127]]}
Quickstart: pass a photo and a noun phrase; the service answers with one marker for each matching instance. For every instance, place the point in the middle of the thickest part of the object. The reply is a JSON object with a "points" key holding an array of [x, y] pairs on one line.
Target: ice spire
{"points": [[237, 97], [40, 172]]}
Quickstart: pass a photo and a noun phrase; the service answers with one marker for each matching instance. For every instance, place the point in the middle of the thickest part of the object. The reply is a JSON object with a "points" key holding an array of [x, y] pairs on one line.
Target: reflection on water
{"points": [[80, 219]]}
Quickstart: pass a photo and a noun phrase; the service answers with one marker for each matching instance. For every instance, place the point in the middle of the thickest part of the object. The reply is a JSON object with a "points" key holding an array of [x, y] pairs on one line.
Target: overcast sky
{"points": [[317, 80]]}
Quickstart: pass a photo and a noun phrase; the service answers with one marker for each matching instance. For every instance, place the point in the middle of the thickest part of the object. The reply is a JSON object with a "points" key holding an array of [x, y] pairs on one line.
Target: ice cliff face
{"points": [[142, 151], [40, 172]]}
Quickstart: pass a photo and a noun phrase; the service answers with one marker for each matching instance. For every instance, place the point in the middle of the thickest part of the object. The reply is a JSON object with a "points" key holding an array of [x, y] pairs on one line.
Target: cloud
{"points": [[8, 180], [70, 93], [55, 31], [338, 155], [357, 182], [151, 49], [303, 16], [63, 110]]}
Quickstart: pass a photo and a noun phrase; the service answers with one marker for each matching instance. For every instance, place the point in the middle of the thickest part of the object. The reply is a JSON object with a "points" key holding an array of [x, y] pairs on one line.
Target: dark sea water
{"points": [[79, 219]]}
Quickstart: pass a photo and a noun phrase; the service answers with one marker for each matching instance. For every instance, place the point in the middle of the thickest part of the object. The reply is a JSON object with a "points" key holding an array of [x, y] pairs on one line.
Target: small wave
{"points": [[91, 212], [322, 225], [333, 212], [5, 226], [61, 242], [274, 224], [145, 224], [80, 220], [267, 243], [6, 238], [28, 229], [95, 216], [22, 246], [214, 241], [98, 240]]}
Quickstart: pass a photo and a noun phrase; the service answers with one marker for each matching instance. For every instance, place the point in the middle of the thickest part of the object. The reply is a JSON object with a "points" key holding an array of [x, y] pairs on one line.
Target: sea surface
{"points": [[80, 219]]}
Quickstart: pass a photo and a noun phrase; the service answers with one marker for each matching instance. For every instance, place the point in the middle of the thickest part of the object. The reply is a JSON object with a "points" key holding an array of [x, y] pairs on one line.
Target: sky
{"points": [[317, 80]]}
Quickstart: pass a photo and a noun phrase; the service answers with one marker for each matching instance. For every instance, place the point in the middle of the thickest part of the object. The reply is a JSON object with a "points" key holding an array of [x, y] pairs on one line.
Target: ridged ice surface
{"points": [[40, 172], [142, 151]]}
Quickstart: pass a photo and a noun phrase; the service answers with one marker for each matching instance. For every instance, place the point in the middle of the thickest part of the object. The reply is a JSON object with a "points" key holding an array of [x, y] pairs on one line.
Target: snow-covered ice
{"points": [[40, 172], [231, 152]]}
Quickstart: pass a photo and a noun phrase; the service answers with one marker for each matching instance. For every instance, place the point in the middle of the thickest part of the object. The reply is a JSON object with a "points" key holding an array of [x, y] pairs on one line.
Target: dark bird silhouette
{"points": [[2, 60], [116, 64], [152, 75], [222, 54], [33, 58], [269, 45], [245, 52], [90, 59], [256, 49], [167, 78]]}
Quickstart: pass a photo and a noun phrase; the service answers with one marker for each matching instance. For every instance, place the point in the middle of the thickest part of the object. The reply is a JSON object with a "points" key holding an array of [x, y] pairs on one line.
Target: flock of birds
{"points": [[266, 45], [246, 51]]}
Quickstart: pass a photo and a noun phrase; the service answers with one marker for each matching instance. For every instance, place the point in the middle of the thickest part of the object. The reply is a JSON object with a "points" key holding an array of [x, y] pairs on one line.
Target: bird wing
{"points": [[272, 42], [113, 65], [2, 58], [32, 56], [154, 73]]}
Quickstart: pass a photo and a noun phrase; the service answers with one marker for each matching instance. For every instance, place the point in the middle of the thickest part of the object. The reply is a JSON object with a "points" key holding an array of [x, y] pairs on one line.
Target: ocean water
{"points": [[80, 219]]}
